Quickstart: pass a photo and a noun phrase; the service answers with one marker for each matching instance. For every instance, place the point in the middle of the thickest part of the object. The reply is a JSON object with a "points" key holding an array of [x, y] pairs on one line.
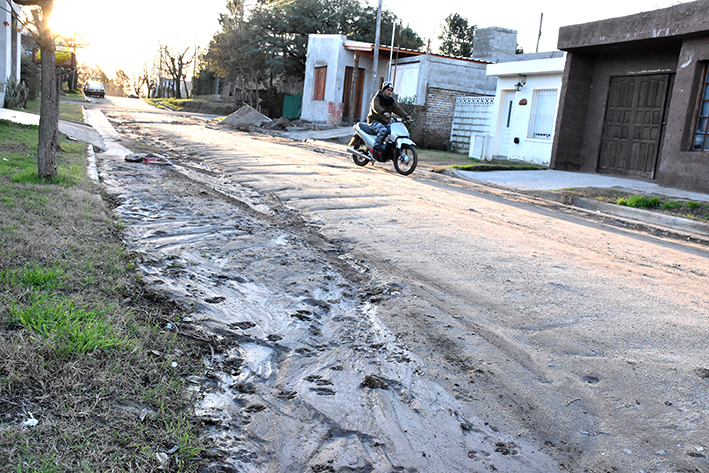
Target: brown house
{"points": [[635, 97]]}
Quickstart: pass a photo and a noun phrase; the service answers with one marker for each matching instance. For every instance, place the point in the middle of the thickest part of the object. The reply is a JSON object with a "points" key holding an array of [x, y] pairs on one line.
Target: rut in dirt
{"points": [[303, 374]]}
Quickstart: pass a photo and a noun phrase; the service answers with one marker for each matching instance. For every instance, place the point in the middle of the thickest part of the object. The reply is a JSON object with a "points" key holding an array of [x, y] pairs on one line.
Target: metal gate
{"points": [[633, 125]]}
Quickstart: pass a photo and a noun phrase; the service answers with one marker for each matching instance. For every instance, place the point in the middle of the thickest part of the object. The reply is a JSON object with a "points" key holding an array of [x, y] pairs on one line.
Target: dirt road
{"points": [[373, 322]]}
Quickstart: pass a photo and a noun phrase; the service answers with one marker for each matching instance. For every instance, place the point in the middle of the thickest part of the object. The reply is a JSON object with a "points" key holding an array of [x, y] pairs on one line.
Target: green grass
{"points": [[31, 276], [169, 103], [68, 330], [639, 202], [685, 209], [78, 330]]}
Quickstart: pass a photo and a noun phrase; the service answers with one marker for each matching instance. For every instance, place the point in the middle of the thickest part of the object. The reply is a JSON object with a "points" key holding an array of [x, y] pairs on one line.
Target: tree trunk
{"points": [[49, 108]]}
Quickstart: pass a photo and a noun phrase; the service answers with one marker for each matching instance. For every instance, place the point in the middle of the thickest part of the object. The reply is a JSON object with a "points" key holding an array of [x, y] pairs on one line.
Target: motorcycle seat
{"points": [[365, 128]]}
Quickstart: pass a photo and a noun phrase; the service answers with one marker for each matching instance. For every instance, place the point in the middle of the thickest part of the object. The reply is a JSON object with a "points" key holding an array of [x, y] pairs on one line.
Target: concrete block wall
{"points": [[494, 44]]}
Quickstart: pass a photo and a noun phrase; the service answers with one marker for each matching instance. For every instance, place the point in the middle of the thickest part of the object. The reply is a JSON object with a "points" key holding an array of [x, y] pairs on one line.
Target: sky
{"points": [[126, 34]]}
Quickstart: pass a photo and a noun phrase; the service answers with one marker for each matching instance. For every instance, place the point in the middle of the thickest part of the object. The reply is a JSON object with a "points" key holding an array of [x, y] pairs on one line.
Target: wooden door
{"points": [[358, 93], [633, 125]]}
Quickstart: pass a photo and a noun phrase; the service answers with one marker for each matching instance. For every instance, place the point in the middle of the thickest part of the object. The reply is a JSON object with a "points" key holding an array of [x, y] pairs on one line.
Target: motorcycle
{"points": [[398, 147]]}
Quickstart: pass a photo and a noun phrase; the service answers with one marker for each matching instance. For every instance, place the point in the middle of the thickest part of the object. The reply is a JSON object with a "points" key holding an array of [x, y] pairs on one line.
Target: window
{"points": [[701, 131], [320, 76], [541, 125]]}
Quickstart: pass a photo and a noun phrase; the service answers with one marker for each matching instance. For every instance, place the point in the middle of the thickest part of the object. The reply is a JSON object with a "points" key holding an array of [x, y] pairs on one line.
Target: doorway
{"points": [[633, 124], [358, 93], [506, 132]]}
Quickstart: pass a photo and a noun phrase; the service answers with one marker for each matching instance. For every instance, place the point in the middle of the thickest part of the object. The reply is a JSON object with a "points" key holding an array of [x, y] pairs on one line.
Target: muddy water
{"points": [[304, 375]]}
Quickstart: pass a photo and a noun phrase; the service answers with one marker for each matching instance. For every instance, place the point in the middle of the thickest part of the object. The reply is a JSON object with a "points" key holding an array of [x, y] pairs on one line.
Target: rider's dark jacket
{"points": [[381, 104]]}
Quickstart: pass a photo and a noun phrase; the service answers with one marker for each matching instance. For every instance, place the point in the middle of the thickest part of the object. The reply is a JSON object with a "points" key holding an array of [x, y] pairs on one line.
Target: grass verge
{"points": [[441, 160], [654, 203], [194, 105], [89, 379], [687, 209]]}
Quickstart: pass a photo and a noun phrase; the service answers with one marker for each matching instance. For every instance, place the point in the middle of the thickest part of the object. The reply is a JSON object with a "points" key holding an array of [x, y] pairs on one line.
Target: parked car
{"points": [[94, 87]]}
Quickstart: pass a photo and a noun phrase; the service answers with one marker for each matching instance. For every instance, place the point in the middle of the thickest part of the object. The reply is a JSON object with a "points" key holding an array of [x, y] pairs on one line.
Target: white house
{"points": [[526, 103], [10, 46]]}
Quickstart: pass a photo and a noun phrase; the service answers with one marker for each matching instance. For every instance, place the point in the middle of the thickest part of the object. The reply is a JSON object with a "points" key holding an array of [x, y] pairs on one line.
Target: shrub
{"points": [[639, 202], [16, 94], [673, 204]]}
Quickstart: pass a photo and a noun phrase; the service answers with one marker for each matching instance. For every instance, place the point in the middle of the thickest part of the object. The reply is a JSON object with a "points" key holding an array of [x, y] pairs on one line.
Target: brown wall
{"points": [[619, 47], [679, 166]]}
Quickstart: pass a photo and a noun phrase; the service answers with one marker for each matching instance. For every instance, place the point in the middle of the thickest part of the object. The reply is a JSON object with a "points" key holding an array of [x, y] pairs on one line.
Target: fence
{"points": [[472, 115]]}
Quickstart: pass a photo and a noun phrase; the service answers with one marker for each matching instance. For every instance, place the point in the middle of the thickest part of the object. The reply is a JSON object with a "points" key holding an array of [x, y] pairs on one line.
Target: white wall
{"points": [[405, 78], [329, 50], [9, 50], [323, 50], [542, 74]]}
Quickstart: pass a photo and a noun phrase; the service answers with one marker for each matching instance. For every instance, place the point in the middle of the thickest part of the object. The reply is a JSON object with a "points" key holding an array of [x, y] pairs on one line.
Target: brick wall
{"points": [[440, 105]]}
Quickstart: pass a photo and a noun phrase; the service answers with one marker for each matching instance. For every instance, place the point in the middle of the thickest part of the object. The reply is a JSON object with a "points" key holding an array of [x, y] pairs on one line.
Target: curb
{"points": [[657, 219], [652, 218], [668, 222]]}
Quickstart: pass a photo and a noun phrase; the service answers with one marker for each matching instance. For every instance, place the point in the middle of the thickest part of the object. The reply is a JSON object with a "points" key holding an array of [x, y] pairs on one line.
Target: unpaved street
{"points": [[372, 322]]}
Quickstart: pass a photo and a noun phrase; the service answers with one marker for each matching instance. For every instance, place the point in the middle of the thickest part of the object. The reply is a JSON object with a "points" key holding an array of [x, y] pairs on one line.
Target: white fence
{"points": [[472, 116]]}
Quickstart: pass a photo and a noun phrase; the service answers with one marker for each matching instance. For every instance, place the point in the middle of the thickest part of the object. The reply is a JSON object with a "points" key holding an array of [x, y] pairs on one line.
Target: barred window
{"points": [[541, 125], [319, 89], [701, 131]]}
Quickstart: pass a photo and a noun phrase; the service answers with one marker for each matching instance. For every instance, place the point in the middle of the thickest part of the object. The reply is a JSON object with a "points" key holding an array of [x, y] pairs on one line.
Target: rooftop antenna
{"points": [[540, 30]]}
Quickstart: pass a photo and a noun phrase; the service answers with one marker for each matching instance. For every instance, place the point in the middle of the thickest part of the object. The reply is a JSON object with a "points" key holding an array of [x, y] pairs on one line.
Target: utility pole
{"points": [[391, 47], [375, 66], [541, 18]]}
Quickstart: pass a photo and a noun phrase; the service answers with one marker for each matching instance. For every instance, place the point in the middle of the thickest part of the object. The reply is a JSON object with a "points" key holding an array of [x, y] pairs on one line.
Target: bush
{"points": [[16, 94]]}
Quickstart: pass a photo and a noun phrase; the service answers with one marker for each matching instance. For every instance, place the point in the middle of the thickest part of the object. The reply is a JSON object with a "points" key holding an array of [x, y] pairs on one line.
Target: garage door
{"points": [[633, 125]]}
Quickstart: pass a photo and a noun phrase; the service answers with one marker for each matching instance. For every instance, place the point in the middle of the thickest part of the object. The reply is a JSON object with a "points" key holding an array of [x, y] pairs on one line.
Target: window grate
{"points": [[701, 131], [541, 125]]}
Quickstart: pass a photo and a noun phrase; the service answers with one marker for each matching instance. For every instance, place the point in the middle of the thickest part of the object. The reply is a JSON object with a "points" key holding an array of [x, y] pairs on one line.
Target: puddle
{"points": [[304, 375]]}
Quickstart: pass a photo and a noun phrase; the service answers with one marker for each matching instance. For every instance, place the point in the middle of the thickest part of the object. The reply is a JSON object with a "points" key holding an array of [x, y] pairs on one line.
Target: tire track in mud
{"points": [[304, 375]]}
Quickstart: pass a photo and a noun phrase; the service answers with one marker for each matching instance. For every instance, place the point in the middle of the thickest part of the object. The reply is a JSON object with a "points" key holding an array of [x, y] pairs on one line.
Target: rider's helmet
{"points": [[387, 85]]}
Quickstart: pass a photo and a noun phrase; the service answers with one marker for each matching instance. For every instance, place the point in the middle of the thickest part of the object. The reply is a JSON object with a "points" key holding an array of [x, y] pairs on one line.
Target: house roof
{"points": [[529, 67], [368, 49], [667, 24]]}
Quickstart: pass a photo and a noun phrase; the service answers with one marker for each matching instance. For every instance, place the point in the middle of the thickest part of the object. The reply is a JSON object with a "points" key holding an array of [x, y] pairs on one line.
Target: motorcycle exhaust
{"points": [[361, 155]]}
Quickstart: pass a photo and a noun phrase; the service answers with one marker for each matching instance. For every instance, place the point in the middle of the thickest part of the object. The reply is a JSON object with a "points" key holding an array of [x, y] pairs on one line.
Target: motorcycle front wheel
{"points": [[357, 143], [406, 161]]}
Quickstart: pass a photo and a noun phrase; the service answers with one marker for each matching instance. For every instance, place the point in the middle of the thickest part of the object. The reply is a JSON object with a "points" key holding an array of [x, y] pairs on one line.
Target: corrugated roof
{"points": [[369, 47]]}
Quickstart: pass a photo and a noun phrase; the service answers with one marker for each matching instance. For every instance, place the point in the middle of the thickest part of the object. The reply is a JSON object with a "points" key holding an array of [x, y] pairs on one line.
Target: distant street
{"points": [[559, 342]]}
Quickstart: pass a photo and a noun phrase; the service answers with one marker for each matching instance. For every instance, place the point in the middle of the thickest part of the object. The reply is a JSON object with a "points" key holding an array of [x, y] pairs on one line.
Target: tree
{"points": [[272, 42], [176, 66], [49, 108], [149, 77], [457, 37], [122, 83]]}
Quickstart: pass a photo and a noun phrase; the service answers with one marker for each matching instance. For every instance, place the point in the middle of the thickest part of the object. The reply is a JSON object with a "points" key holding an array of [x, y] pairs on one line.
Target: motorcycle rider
{"points": [[380, 110]]}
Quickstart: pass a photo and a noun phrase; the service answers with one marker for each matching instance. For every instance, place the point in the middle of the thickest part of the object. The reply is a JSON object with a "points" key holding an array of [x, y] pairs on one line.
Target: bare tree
{"points": [[176, 65], [137, 83], [149, 78], [49, 109]]}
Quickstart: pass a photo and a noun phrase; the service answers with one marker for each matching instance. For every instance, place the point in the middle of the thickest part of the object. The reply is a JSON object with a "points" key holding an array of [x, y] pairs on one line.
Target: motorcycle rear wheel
{"points": [[406, 161], [358, 144]]}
